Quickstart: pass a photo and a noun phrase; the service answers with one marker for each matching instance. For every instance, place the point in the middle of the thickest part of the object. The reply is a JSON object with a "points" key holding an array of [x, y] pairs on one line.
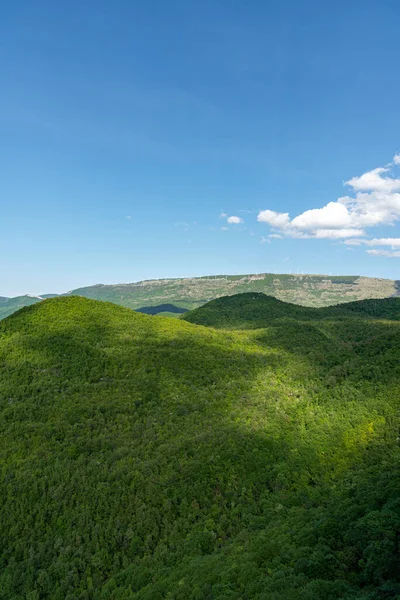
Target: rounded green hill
{"points": [[256, 310]]}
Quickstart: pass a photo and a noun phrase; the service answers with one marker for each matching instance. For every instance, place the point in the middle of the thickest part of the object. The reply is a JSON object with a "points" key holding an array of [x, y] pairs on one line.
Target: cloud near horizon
{"points": [[375, 201], [393, 243], [386, 253]]}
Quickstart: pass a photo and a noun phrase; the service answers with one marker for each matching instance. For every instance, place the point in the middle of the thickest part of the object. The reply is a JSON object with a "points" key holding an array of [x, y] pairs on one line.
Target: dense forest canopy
{"points": [[255, 310], [149, 458]]}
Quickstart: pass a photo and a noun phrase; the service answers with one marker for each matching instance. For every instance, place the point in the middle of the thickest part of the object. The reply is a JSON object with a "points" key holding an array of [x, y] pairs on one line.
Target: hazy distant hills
{"points": [[9, 305], [190, 293]]}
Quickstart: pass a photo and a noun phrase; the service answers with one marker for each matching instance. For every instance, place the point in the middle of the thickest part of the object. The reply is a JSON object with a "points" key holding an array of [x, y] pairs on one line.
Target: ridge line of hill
{"points": [[189, 293]]}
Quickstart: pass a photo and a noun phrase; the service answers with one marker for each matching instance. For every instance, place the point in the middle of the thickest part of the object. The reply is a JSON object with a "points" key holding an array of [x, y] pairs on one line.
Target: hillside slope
{"points": [[147, 458], [256, 310]]}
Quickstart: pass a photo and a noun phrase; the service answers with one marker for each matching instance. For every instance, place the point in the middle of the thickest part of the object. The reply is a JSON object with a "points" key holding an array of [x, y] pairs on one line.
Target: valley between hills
{"points": [[247, 449]]}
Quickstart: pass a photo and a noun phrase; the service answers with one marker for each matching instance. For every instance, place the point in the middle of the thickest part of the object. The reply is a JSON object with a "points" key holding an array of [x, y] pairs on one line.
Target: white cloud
{"points": [[275, 219], [387, 253], [332, 215], [231, 220], [392, 242], [374, 208], [275, 236], [373, 181], [375, 201], [337, 233], [234, 220]]}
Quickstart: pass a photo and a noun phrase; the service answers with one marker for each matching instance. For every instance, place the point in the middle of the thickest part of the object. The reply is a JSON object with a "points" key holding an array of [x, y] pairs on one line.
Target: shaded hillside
{"points": [[384, 308], [146, 458], [245, 311], [171, 309], [253, 311]]}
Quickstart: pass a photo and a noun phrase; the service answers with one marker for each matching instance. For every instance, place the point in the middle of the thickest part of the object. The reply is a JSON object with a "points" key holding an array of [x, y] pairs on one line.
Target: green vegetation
{"points": [[192, 292], [245, 311], [252, 311], [150, 458]]}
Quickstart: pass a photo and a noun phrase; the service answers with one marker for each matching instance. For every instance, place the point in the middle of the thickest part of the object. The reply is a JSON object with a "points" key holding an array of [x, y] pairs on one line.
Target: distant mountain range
{"points": [[174, 296]]}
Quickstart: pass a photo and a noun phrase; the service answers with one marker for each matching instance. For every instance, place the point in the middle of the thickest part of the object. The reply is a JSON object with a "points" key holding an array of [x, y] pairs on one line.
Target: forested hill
{"points": [[252, 311], [149, 458]]}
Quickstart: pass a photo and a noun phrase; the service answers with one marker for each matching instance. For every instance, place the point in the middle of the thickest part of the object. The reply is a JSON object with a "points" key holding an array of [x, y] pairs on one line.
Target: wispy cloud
{"points": [[181, 224], [387, 253], [391, 242]]}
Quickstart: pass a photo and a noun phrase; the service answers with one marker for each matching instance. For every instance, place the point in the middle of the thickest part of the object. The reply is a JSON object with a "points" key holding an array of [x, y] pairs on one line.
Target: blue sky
{"points": [[128, 128]]}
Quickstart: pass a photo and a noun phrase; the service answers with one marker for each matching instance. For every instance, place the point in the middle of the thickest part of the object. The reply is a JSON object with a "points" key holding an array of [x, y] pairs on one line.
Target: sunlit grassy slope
{"points": [[148, 458]]}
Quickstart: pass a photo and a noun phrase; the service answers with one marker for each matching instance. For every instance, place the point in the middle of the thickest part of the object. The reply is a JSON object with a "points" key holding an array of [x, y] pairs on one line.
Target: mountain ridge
{"points": [[192, 292]]}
